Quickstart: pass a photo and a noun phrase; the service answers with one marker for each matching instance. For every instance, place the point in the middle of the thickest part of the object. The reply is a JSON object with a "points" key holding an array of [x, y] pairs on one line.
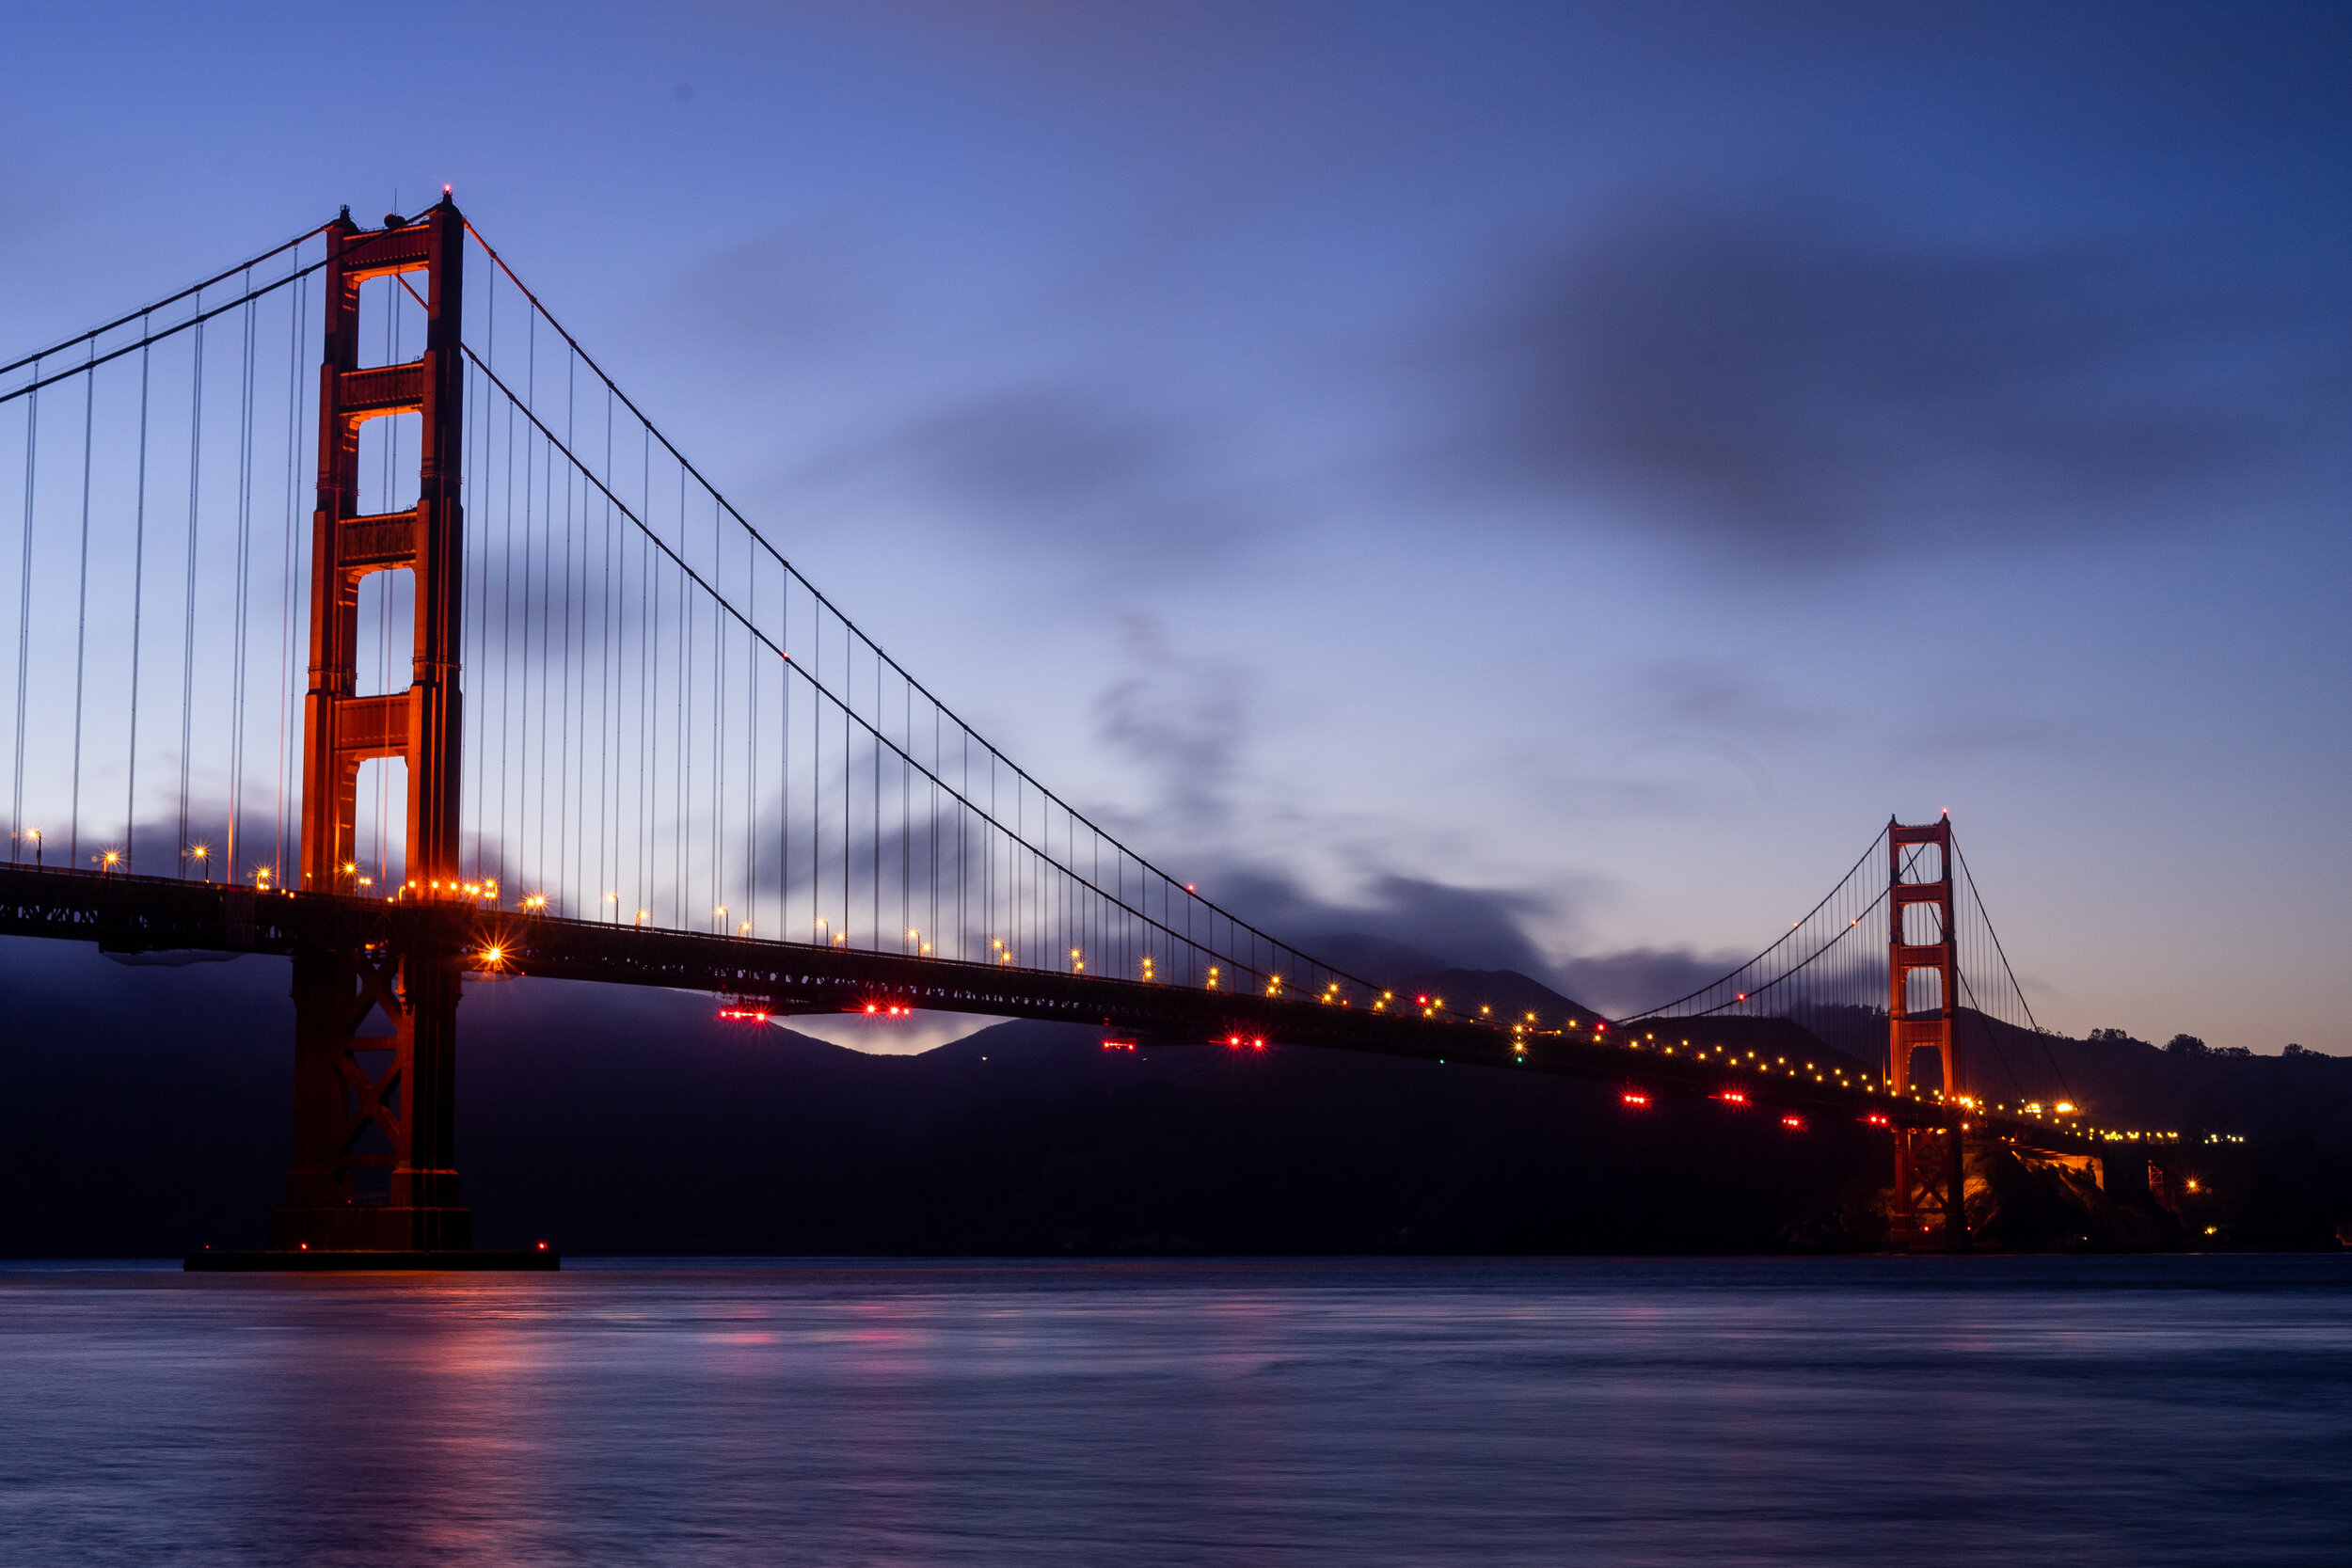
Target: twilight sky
{"points": [[1543, 482]]}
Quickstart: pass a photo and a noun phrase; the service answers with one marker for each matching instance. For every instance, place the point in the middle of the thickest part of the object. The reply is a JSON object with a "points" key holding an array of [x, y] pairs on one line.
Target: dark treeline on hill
{"points": [[143, 1111]]}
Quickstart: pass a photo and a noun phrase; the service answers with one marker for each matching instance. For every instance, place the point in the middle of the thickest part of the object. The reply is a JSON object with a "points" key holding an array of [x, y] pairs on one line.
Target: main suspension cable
{"points": [[96, 332]]}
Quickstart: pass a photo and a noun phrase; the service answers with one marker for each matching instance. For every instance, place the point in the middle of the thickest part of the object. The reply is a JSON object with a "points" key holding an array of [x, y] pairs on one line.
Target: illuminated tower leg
{"points": [[375, 1028], [1923, 991], [372, 1160]]}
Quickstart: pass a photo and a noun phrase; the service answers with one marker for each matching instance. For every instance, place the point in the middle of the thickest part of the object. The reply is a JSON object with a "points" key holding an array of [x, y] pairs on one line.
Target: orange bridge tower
{"points": [[1923, 1000], [376, 1022]]}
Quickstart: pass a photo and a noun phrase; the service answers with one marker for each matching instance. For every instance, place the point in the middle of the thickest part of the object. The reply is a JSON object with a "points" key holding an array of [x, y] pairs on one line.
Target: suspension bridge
{"points": [[361, 618]]}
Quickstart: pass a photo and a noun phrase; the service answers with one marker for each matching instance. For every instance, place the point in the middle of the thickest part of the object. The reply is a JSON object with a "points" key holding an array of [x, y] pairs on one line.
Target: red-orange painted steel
{"points": [[1930, 1028], [341, 729], [376, 1025], [1919, 1160]]}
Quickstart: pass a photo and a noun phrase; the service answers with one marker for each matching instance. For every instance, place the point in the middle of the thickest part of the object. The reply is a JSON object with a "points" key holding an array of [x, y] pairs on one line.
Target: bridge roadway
{"points": [[129, 914]]}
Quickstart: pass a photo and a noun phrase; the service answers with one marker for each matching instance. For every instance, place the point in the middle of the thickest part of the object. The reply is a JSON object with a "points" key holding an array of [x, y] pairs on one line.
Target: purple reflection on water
{"points": [[1935, 1411]]}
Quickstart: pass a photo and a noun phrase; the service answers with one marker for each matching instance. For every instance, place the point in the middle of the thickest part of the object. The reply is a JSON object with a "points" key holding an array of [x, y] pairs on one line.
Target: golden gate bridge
{"points": [[404, 645]]}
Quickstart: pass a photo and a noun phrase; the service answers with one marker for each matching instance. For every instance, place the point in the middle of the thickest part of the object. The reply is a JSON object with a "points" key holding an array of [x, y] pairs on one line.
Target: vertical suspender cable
{"points": [[718, 733], [532, 873], [607, 825], [548, 724], [286, 562], [751, 769], [241, 640], [787, 833], [477, 616], [138, 590], [563, 783], [684, 717], [849, 743], [648, 671], [81, 615], [24, 611], [510, 752], [816, 771], [187, 620], [906, 807]]}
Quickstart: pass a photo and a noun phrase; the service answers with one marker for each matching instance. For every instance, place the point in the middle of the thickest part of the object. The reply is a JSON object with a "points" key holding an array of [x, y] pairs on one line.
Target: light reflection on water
{"points": [[1932, 1411]]}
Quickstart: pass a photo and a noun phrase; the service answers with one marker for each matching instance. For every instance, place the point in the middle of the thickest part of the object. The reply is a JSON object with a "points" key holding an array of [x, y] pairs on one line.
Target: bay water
{"points": [[1927, 1411]]}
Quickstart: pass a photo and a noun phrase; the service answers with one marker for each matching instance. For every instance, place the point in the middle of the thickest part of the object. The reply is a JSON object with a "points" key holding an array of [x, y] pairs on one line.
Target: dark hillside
{"points": [[144, 1111]]}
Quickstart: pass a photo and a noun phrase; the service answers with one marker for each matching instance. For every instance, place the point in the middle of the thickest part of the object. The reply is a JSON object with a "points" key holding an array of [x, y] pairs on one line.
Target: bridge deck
{"points": [[152, 914]]}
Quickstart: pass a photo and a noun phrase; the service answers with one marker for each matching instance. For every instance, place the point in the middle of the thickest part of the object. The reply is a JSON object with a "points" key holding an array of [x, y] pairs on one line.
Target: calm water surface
{"points": [[1924, 1411]]}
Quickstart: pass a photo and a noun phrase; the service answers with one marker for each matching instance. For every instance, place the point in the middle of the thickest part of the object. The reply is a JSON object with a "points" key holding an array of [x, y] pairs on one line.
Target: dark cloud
{"points": [[1798, 384], [1181, 720], [1399, 922], [1077, 472], [1627, 982], [1037, 451], [2274, 71], [1404, 926]]}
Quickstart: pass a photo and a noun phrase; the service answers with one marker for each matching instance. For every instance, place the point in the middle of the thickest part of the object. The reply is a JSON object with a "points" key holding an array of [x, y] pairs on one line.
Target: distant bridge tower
{"points": [[1922, 941], [373, 1152]]}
